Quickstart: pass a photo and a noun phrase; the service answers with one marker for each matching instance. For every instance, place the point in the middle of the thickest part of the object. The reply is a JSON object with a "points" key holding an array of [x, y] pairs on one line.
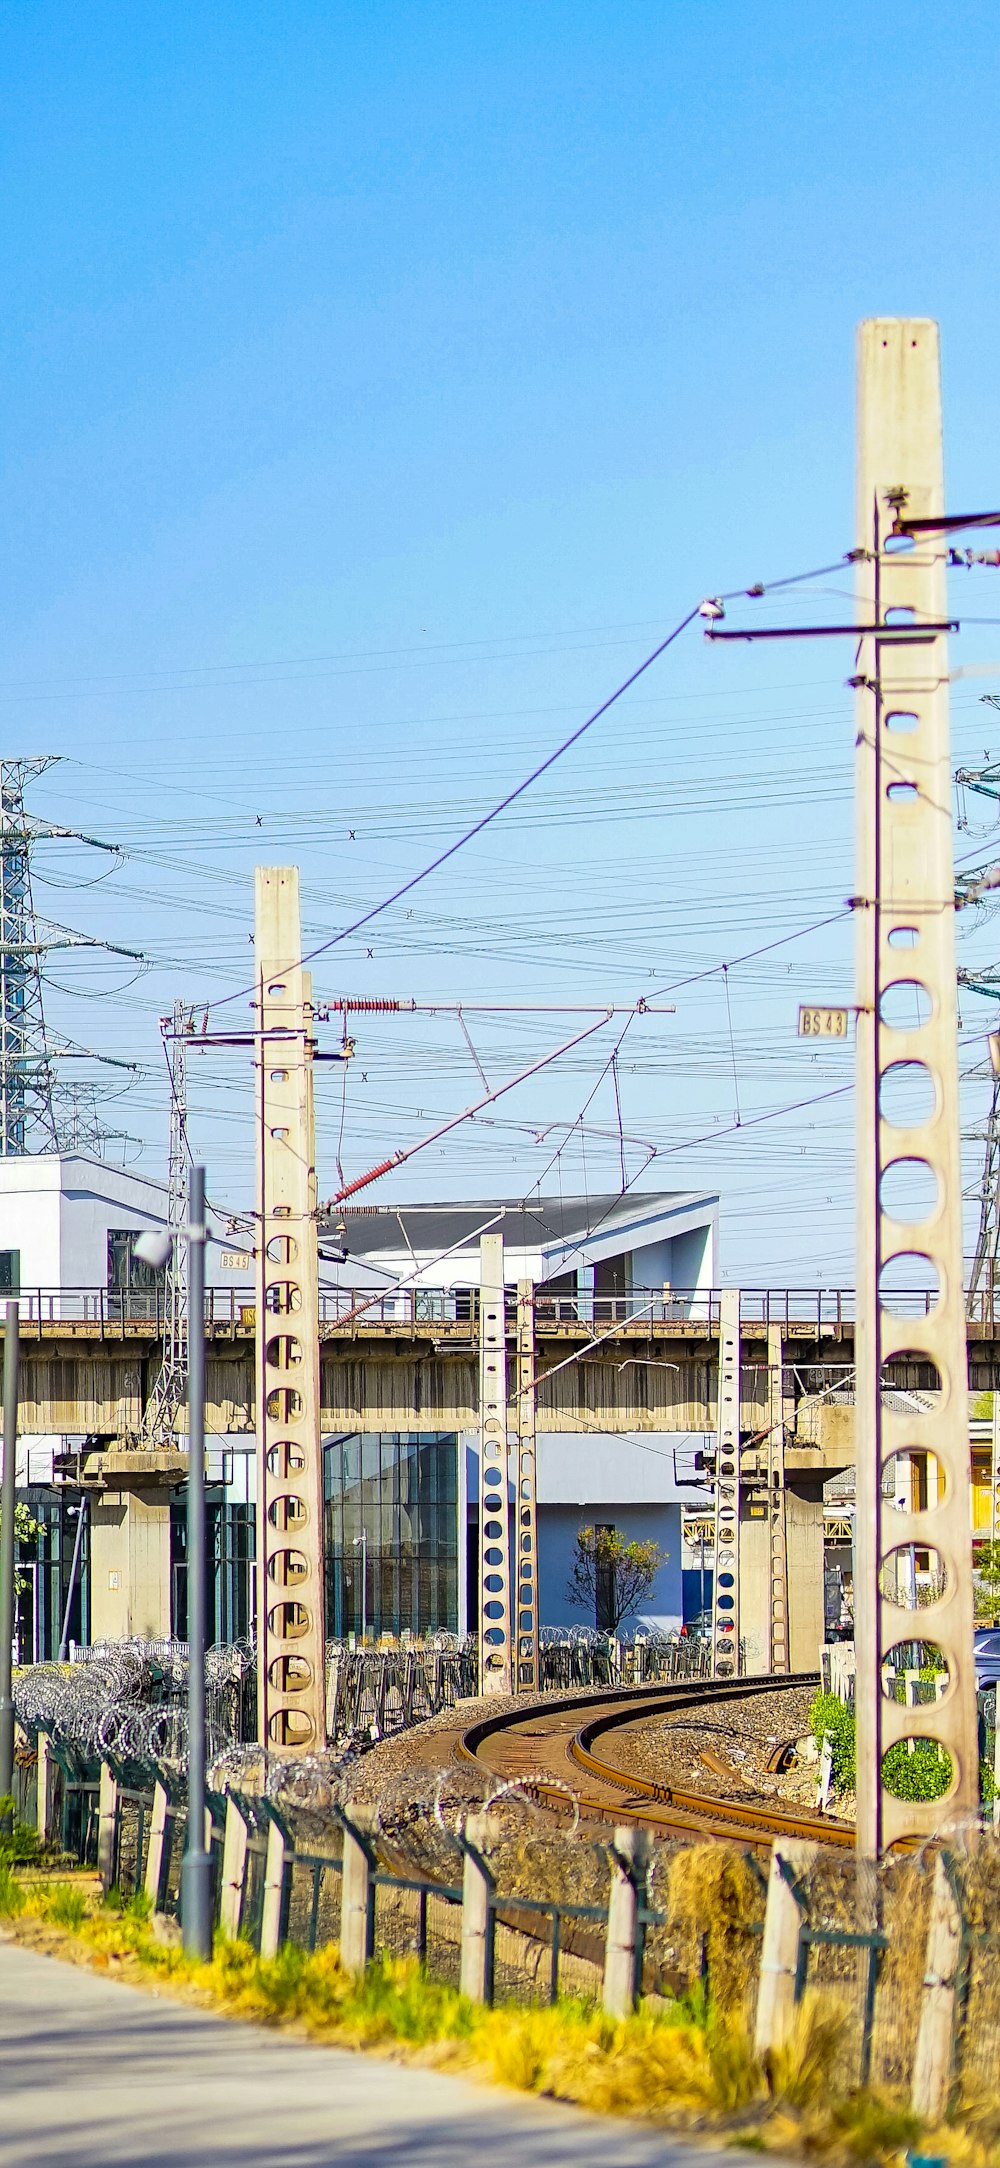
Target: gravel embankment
{"points": [[723, 1748]]}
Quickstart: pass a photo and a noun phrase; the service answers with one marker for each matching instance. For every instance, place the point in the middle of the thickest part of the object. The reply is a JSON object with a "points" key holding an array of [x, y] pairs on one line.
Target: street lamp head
{"points": [[154, 1247]]}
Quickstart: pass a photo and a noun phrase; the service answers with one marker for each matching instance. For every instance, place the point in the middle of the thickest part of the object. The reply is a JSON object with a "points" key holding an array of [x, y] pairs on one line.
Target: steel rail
{"points": [[553, 1741]]}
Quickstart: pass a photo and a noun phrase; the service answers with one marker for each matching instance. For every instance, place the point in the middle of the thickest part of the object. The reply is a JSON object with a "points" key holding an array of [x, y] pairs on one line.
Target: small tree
{"points": [[25, 1528], [612, 1573]]}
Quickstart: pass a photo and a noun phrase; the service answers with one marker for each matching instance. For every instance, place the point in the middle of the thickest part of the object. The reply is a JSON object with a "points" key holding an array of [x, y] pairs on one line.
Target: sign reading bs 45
{"points": [[818, 1022]]}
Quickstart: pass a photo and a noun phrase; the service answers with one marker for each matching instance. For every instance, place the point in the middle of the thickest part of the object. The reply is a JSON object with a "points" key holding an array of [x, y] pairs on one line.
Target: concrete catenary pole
{"points": [[525, 1563], [909, 1178], [290, 1617], [777, 1609], [726, 1580], [495, 1670]]}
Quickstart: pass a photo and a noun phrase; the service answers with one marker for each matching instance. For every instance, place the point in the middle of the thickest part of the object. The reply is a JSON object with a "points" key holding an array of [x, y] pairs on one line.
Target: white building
{"points": [[65, 1224]]}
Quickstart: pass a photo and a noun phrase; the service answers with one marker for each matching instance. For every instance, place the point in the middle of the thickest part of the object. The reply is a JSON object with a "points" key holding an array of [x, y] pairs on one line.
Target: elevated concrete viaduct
{"points": [[88, 1377]]}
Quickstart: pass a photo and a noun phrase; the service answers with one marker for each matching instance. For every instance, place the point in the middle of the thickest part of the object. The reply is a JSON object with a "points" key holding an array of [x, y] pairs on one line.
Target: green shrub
{"points": [[924, 1774], [18, 1840], [829, 1714]]}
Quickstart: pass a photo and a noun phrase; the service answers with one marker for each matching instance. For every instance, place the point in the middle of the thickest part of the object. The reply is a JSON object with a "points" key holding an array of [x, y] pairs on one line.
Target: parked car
{"points": [[986, 1651]]}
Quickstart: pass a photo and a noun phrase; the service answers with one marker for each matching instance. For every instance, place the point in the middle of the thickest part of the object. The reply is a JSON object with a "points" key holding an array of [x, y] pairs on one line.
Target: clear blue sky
{"points": [[380, 382]]}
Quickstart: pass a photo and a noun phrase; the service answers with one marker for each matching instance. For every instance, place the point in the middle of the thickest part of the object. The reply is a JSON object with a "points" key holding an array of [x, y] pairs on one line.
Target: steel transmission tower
{"points": [[26, 1110], [28, 1090], [159, 1420]]}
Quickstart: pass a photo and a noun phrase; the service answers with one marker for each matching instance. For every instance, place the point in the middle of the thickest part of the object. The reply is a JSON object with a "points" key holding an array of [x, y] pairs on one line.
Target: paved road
{"points": [[96, 2072]]}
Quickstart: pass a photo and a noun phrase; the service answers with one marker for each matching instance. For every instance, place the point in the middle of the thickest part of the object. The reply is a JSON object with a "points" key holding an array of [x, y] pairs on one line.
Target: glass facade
{"points": [[45, 1565], [391, 1532], [231, 1548]]}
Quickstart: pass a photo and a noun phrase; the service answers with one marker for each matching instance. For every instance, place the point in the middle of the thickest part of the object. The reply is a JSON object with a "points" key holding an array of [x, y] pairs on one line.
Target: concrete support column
{"points": [[804, 1540], [755, 1586], [130, 1565], [804, 1536]]}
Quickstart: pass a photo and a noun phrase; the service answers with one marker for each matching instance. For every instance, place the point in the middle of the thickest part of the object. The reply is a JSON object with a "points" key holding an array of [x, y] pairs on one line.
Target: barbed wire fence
{"points": [[127, 1700]]}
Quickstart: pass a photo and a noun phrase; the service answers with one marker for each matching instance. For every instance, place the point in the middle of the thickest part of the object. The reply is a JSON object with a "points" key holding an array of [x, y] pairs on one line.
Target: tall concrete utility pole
{"points": [[726, 1576], [777, 1524], [495, 1675], [912, 1467], [526, 1671], [290, 1616]]}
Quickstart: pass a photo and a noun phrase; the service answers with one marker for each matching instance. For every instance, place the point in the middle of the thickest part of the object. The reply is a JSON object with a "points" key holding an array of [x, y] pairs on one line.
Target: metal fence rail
{"points": [[526, 1920], [811, 1310]]}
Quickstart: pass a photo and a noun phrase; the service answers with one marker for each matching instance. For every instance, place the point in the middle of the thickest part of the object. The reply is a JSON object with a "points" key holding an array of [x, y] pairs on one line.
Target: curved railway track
{"points": [[546, 1748]]}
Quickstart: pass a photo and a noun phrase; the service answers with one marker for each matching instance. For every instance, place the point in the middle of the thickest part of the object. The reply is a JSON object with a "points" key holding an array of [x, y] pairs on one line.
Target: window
{"points": [[612, 1286], [127, 1275], [391, 1532], [10, 1272], [556, 1297]]}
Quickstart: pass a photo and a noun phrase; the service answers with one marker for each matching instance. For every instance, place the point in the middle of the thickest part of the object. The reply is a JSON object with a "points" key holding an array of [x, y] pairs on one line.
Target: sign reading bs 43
{"points": [[818, 1022]]}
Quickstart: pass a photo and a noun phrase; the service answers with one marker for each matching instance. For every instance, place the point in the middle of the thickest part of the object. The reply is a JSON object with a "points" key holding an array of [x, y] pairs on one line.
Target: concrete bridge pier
{"points": [[130, 1544], [804, 1539]]}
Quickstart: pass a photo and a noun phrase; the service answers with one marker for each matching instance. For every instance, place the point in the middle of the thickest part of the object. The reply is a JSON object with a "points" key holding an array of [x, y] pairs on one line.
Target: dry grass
{"points": [[684, 2063], [713, 1899]]}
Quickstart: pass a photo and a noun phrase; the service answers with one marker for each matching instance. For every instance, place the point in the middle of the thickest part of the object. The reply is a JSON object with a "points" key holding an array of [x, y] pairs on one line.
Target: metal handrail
{"points": [[812, 1309]]}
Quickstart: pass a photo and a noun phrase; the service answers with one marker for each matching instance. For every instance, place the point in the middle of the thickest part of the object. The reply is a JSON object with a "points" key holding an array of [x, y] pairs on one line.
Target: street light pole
{"points": [[361, 1543], [196, 1867]]}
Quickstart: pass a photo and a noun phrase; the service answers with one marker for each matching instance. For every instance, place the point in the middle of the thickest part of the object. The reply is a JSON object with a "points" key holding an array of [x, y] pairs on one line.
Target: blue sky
{"points": [[381, 382]]}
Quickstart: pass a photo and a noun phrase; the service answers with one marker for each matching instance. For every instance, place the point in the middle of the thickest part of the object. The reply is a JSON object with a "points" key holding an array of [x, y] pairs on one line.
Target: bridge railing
{"points": [[810, 1309]]}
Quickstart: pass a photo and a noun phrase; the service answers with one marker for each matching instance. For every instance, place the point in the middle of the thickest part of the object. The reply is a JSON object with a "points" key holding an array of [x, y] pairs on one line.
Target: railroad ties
{"points": [[559, 1752]]}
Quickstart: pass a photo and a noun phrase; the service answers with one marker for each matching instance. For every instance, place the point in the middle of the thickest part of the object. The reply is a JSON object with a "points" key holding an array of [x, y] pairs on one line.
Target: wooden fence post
{"points": [[357, 1894], [478, 1920], [155, 1855], [936, 2031], [272, 1918], [824, 1782], [779, 1957], [235, 1844], [44, 1788], [623, 1949], [107, 1826]]}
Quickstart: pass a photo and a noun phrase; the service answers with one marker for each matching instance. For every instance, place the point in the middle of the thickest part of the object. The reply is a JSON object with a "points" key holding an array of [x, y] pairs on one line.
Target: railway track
{"points": [[548, 1749]]}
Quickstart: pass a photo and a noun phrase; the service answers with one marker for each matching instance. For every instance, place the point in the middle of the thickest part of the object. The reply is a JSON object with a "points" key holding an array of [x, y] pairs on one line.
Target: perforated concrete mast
{"points": [[290, 1624], [726, 1580], [912, 1467], [495, 1670]]}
